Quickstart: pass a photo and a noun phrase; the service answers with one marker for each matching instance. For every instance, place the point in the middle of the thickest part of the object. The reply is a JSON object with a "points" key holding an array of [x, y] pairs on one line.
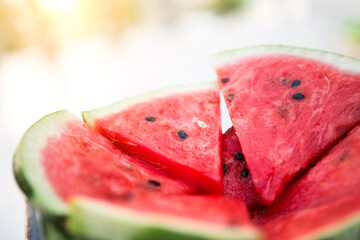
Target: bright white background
{"points": [[91, 72]]}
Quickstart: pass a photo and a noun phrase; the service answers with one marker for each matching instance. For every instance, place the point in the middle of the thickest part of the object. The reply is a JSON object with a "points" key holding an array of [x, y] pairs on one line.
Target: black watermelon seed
{"points": [[344, 156], [245, 173], [150, 119], [239, 156], [295, 83], [181, 134], [154, 183], [298, 96], [225, 80], [224, 168], [230, 97]]}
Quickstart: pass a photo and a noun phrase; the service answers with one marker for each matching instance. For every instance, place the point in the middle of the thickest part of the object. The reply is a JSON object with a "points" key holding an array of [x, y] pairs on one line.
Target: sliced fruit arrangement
{"points": [[166, 217], [325, 201], [176, 130], [288, 106], [139, 169], [237, 179], [59, 157]]}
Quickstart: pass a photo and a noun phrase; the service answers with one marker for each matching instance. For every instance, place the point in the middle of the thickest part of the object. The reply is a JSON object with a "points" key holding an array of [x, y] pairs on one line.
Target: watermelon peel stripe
{"points": [[341, 61], [89, 116], [28, 170], [95, 219]]}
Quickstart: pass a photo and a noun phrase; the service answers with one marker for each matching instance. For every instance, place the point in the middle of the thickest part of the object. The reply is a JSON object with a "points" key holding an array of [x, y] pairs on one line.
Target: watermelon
{"points": [[288, 105], [60, 156], [325, 201], [176, 130], [237, 179], [161, 218]]}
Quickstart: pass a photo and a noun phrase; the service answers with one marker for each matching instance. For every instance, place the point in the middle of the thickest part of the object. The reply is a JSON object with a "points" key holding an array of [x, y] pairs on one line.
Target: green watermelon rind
{"points": [[348, 228], [90, 116], [342, 62], [28, 170], [98, 220]]}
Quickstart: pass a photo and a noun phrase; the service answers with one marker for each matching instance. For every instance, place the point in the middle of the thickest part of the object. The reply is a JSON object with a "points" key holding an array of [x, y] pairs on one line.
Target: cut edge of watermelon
{"points": [[95, 219], [29, 172], [341, 61], [90, 116], [346, 228]]}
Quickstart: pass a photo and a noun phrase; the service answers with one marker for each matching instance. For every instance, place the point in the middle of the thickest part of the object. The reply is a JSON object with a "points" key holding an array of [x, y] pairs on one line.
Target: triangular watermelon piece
{"points": [[237, 179], [325, 201], [60, 157], [176, 130], [288, 105], [161, 218]]}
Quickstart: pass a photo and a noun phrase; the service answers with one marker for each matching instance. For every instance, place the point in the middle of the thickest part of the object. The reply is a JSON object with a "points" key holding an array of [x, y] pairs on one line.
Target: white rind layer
{"points": [[338, 60], [90, 116], [28, 161], [99, 220]]}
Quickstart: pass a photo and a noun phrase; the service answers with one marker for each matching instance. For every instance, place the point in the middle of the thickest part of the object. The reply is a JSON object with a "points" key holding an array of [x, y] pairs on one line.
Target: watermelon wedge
{"points": [[288, 105], [166, 217], [176, 130], [60, 157], [325, 201], [338, 220], [237, 179]]}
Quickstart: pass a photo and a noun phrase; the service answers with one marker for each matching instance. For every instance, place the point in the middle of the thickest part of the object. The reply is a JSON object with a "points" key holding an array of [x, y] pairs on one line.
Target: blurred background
{"points": [[82, 54]]}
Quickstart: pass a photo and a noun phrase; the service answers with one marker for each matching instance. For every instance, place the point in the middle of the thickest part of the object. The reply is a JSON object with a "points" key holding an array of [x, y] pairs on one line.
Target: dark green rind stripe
{"points": [[53, 227], [20, 177], [27, 166], [92, 220], [348, 232]]}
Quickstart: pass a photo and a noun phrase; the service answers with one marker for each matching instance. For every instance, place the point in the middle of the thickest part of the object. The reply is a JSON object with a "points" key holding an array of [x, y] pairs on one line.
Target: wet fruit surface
{"points": [[287, 111]]}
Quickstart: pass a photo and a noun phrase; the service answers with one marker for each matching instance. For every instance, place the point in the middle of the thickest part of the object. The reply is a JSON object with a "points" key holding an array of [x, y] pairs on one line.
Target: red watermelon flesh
{"points": [[163, 217], [237, 179], [79, 161], [335, 176], [209, 208], [178, 133], [287, 110], [315, 222], [328, 191]]}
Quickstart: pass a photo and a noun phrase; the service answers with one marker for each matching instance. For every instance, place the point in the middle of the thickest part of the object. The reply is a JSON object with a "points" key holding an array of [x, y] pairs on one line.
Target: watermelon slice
{"points": [[161, 218], [338, 220], [326, 200], [59, 157], [237, 179], [176, 130], [288, 105]]}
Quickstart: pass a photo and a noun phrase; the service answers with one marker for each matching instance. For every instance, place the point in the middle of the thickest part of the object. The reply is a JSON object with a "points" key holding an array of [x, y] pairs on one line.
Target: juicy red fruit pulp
{"points": [[237, 179], [79, 161], [325, 195], [287, 111], [178, 134]]}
